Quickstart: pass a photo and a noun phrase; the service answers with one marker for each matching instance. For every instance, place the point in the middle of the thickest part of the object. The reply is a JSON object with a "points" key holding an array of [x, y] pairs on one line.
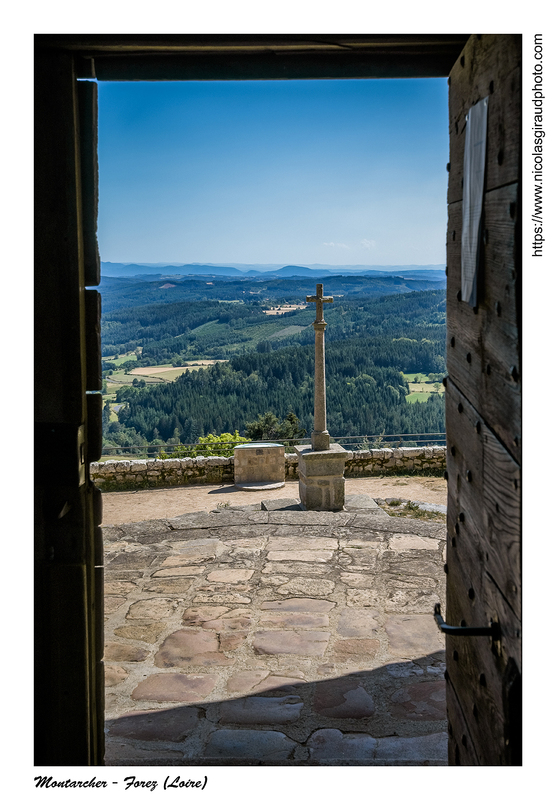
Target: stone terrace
{"points": [[274, 636]]}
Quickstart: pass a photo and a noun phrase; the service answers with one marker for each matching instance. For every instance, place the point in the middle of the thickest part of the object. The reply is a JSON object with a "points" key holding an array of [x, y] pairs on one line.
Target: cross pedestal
{"points": [[321, 477]]}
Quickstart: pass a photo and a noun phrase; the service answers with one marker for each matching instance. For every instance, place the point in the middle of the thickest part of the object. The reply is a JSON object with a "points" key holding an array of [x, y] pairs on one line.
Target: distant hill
{"points": [[116, 270], [264, 272], [292, 270]]}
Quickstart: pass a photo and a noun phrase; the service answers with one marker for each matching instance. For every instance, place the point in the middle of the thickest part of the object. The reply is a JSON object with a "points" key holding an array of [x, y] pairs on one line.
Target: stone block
{"points": [[321, 478], [174, 687], [420, 701], [117, 753], [259, 463], [115, 651], [307, 643], [355, 649], [114, 674], [294, 620], [246, 680], [330, 744], [230, 575], [181, 647], [302, 604], [282, 683], [413, 634], [343, 698], [261, 710], [155, 608], [358, 622], [151, 725], [431, 749], [177, 586], [301, 555], [171, 464], [148, 632], [249, 745], [313, 587], [198, 615], [112, 603]]}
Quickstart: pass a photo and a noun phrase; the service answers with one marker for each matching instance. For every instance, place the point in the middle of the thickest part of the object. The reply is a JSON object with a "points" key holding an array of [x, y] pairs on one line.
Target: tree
{"points": [[106, 414], [211, 445], [264, 427], [222, 445], [290, 428], [268, 426]]}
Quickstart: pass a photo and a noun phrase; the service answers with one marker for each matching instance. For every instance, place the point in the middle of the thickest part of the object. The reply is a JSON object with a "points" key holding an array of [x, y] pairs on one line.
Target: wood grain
{"points": [[489, 66], [483, 582], [461, 748], [92, 340], [484, 486], [483, 344], [88, 155]]}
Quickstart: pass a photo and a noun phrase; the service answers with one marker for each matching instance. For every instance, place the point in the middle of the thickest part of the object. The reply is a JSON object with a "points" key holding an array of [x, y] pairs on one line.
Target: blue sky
{"points": [[332, 172]]}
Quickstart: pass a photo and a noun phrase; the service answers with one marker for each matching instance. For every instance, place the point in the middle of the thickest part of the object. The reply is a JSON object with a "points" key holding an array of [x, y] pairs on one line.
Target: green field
{"points": [[420, 387], [411, 377], [210, 333], [120, 378], [169, 375], [289, 331], [418, 397], [111, 361]]}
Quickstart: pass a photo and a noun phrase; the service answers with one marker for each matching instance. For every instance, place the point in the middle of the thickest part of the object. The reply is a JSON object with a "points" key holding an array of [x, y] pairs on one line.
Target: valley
{"points": [[174, 371]]}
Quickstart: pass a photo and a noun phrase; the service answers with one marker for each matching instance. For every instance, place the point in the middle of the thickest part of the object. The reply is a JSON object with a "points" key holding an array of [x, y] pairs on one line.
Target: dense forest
{"points": [[370, 343], [171, 327], [170, 333], [363, 396]]}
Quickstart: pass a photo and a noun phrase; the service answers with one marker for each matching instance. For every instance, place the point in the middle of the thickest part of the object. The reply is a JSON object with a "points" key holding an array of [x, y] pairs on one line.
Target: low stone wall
{"points": [[396, 460], [155, 473]]}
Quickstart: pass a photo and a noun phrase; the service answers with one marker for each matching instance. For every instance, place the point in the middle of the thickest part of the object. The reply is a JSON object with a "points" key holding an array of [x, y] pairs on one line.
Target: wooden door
{"points": [[69, 684], [483, 418]]}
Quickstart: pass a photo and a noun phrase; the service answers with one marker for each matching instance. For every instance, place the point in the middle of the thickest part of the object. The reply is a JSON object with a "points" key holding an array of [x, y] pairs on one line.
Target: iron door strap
{"points": [[493, 630]]}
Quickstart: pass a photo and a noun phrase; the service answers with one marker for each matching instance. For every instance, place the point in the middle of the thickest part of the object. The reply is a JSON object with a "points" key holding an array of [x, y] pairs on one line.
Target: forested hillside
{"points": [[211, 329], [363, 395], [129, 292], [370, 343]]}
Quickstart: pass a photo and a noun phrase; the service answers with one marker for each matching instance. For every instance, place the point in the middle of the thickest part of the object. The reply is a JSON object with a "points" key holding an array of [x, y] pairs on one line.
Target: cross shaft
{"points": [[320, 438]]}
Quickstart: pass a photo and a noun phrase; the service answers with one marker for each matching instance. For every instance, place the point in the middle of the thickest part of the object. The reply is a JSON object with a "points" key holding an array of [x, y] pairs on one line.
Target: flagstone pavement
{"points": [[268, 635]]}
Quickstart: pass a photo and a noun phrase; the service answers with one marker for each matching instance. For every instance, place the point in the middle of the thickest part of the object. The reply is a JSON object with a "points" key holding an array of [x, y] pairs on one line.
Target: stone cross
{"points": [[319, 300], [320, 438]]}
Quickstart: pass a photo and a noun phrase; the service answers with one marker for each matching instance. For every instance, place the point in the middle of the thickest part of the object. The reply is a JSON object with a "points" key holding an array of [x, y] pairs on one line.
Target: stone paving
{"points": [[267, 635]]}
